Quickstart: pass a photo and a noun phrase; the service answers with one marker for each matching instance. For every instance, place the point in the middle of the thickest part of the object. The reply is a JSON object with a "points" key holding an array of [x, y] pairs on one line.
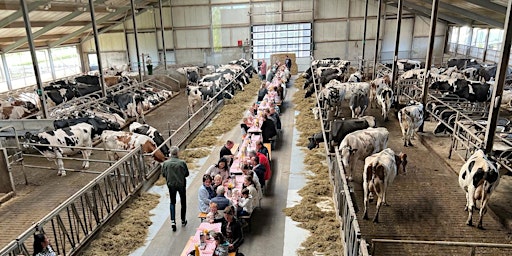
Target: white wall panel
{"points": [[108, 42], [297, 10], [191, 16], [228, 1], [406, 31], [238, 14], [192, 56], [169, 43], [328, 9], [266, 19], [332, 49], [420, 46], [330, 31], [357, 28], [198, 38], [144, 21], [422, 27], [266, 13], [230, 36], [166, 17], [357, 8], [188, 2]]}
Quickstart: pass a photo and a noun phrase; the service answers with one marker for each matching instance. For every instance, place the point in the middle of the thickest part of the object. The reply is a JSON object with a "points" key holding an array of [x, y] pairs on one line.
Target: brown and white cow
{"points": [[380, 169], [478, 177], [13, 112], [79, 135], [361, 144], [410, 119], [120, 140]]}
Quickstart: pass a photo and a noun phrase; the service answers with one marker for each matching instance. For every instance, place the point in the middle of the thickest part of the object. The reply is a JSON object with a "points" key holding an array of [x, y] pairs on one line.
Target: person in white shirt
{"points": [[245, 203]]}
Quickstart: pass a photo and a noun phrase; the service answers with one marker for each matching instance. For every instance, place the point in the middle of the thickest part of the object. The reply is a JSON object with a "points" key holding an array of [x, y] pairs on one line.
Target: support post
{"points": [[377, 40], [97, 46], [33, 54], [364, 35], [394, 70], [494, 109], [430, 49], [132, 5], [162, 30]]}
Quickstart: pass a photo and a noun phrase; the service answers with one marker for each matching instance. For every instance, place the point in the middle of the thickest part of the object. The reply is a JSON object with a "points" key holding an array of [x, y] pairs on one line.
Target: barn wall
{"points": [[207, 31]]}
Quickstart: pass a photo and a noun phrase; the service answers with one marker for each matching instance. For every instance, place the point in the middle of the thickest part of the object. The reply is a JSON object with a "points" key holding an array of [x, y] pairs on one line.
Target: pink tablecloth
{"points": [[210, 243]]}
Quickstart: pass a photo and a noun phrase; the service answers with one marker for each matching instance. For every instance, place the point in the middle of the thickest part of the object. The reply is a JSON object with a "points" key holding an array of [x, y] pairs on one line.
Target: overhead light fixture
{"points": [[47, 6], [81, 8]]}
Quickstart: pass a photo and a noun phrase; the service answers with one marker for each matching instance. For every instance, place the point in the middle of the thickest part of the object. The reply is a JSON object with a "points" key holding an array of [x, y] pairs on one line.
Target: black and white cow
{"points": [[130, 103], [385, 99], [98, 124], [410, 119], [79, 135], [358, 103], [151, 132], [340, 129], [478, 177]]}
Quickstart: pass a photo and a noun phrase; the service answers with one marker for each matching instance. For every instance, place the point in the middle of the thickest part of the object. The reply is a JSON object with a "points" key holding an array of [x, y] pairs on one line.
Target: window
{"points": [[464, 35], [66, 61], [479, 35], [454, 35], [270, 39], [495, 39]]}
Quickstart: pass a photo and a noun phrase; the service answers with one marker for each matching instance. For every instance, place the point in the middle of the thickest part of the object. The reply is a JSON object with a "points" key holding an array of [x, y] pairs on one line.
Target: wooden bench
{"points": [[202, 216]]}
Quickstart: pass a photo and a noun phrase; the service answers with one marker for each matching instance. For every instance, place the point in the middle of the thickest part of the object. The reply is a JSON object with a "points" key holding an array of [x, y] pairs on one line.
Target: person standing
{"points": [[149, 65], [175, 172], [263, 70], [288, 62], [225, 151]]}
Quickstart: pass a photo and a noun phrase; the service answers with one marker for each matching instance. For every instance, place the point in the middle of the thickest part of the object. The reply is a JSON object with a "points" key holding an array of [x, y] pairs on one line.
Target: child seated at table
{"points": [[245, 203], [217, 181], [214, 215], [222, 245]]}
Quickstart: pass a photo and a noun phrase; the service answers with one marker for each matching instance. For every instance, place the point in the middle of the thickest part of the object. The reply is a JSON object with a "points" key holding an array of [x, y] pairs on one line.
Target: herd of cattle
{"points": [[83, 126], [357, 138], [227, 78]]}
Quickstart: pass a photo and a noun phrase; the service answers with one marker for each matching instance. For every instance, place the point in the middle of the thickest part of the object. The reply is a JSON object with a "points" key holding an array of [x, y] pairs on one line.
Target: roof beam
{"points": [[18, 14], [56, 7], [9, 40], [42, 31], [40, 24], [489, 5], [84, 28], [468, 14], [420, 10]]}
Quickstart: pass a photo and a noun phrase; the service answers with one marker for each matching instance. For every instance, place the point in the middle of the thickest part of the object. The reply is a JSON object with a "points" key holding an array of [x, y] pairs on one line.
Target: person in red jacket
{"points": [[263, 161]]}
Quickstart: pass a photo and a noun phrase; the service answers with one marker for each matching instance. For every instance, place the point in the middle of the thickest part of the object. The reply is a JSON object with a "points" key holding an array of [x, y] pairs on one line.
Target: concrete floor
{"points": [[272, 232]]}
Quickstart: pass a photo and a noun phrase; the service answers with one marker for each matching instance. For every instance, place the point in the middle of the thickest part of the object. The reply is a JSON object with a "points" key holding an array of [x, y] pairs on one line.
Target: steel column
{"points": [[364, 34], [31, 45], [6, 72], [162, 31], [132, 4], [377, 40], [397, 43], [52, 65], [428, 61], [497, 92], [97, 46], [486, 44]]}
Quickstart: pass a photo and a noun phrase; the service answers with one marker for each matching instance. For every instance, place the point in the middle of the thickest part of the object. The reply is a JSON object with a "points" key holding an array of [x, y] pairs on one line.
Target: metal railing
{"points": [[350, 232], [74, 222]]}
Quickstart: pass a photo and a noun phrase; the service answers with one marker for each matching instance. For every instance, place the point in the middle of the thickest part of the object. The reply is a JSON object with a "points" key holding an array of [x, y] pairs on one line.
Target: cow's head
{"points": [[312, 143]]}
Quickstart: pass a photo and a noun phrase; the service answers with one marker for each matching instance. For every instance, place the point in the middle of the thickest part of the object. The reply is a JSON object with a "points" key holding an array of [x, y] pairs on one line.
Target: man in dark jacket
{"points": [[175, 172], [232, 229], [225, 151], [221, 200], [268, 129]]}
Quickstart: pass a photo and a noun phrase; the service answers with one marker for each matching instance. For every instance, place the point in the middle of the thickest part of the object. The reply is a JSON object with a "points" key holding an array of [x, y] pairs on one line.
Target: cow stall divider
{"points": [[74, 222], [350, 233]]}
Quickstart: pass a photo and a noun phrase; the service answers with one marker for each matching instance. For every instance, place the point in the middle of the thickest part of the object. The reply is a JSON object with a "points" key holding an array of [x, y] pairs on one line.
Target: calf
{"points": [[361, 144], [79, 135], [410, 119], [380, 169], [151, 132], [13, 112], [120, 140], [478, 177]]}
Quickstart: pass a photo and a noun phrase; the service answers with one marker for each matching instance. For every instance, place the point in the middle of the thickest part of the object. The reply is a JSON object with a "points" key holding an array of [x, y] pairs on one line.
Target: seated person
{"points": [[217, 181], [205, 193], [214, 215], [245, 203], [221, 245], [246, 170], [221, 200], [262, 91], [245, 125], [221, 168], [268, 129], [260, 147], [232, 229]]}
